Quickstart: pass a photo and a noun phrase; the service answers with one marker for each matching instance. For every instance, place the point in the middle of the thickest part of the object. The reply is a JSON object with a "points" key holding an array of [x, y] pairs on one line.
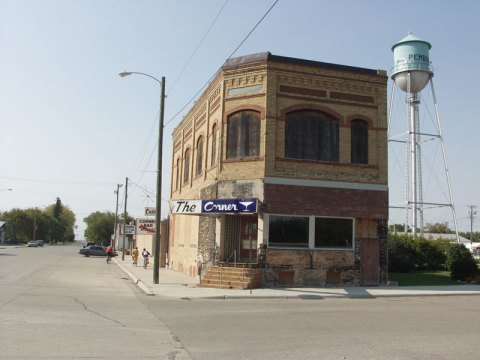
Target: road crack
{"points": [[97, 313]]}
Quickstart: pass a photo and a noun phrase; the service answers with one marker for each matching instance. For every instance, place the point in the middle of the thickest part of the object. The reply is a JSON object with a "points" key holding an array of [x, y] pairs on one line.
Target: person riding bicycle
{"points": [[135, 256], [145, 255], [109, 253]]}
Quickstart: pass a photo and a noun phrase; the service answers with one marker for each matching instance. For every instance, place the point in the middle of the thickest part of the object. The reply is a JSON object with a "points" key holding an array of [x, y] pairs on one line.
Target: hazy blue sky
{"points": [[72, 128]]}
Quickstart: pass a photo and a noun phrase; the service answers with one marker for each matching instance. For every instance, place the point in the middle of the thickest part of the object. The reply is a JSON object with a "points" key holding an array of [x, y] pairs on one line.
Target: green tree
{"points": [[100, 227], [19, 225], [62, 227], [25, 224], [394, 228], [438, 228]]}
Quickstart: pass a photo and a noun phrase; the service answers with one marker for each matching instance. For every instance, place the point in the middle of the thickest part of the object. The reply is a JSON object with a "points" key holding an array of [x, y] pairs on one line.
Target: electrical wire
{"points": [[211, 78], [198, 46]]}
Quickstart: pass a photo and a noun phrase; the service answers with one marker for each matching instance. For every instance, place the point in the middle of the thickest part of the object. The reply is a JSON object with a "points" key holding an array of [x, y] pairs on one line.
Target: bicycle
{"points": [[145, 262], [109, 258]]}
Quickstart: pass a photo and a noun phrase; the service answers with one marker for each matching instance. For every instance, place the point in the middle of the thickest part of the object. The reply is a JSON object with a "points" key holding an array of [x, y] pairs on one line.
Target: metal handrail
{"points": [[234, 254]]}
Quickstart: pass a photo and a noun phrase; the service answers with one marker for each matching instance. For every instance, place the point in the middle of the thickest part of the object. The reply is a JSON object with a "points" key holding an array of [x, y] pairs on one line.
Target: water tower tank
{"points": [[411, 55]]}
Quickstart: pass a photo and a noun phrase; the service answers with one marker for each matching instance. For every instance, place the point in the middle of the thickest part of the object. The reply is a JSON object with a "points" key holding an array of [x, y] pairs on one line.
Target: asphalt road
{"points": [[56, 304]]}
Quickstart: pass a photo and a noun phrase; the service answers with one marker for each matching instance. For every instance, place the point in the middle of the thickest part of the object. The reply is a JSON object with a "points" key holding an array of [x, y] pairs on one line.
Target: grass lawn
{"points": [[423, 278]]}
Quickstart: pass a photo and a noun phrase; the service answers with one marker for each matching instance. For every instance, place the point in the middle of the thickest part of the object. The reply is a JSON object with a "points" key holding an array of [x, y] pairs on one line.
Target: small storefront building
{"points": [[281, 166]]}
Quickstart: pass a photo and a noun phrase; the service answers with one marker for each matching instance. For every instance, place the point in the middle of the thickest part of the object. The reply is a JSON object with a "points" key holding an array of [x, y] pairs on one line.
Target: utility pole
{"points": [[35, 225], [158, 202], [471, 213], [116, 218], [125, 219]]}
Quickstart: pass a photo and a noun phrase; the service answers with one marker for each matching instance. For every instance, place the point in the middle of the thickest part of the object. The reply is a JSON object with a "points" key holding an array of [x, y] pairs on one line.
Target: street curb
{"points": [[141, 285]]}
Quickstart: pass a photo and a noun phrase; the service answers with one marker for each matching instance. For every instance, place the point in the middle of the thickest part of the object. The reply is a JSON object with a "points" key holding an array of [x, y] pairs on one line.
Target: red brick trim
{"points": [[246, 107]]}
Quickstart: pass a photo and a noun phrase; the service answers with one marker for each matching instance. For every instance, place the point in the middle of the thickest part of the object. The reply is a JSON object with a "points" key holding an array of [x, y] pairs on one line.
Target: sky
{"points": [[70, 127]]}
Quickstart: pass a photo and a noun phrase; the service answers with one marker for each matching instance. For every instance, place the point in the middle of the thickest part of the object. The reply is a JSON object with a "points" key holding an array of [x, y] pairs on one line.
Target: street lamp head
{"points": [[124, 73], [6, 189]]}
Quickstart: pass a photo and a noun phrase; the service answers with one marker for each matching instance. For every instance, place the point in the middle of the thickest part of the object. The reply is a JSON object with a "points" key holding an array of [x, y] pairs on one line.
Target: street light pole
{"points": [[158, 217], [125, 219], [116, 218]]}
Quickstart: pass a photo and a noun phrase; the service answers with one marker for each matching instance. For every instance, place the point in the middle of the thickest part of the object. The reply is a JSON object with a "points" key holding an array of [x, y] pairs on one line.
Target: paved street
{"points": [[56, 304]]}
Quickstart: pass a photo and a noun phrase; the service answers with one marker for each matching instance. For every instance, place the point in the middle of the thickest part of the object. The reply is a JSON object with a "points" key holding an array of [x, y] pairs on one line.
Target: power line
{"points": [[198, 46], [211, 78]]}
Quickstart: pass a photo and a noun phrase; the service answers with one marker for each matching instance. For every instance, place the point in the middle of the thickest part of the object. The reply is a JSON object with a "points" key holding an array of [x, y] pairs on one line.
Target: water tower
{"points": [[412, 73]]}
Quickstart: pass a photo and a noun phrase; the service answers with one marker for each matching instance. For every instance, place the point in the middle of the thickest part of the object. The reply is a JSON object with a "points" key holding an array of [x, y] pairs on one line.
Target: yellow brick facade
{"points": [[274, 86]]}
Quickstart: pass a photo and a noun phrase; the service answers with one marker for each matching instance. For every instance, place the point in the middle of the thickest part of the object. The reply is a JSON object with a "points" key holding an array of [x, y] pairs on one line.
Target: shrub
{"points": [[406, 253], [401, 254], [461, 263], [429, 254]]}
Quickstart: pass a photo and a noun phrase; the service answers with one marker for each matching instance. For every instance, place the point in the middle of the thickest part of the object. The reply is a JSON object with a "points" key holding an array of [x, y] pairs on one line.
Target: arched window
{"points": [[177, 175], [213, 156], [243, 134], [359, 143], [311, 135], [199, 158], [186, 167]]}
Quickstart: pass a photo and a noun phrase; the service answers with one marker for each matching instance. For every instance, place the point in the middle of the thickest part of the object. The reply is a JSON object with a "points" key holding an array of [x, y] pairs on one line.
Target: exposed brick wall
{"points": [[310, 267], [305, 200]]}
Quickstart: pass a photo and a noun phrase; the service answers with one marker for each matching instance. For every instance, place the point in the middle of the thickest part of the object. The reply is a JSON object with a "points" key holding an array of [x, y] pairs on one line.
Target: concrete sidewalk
{"points": [[178, 285]]}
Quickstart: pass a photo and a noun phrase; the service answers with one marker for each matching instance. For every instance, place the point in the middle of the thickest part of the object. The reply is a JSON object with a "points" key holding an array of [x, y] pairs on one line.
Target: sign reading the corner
{"points": [[214, 206]]}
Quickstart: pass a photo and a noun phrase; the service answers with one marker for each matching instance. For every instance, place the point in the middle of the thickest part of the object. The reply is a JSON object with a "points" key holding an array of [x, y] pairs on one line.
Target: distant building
{"points": [[281, 164]]}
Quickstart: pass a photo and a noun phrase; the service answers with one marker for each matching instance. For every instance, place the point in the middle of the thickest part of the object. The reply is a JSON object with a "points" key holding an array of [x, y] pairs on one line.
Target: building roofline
{"points": [[267, 56]]}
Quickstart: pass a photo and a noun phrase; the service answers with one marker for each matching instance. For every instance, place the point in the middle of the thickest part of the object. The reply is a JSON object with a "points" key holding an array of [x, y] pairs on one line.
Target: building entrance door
{"points": [[248, 238]]}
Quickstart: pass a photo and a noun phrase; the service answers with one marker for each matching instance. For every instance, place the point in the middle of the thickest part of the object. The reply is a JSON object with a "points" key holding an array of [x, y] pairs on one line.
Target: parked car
{"points": [[32, 243], [94, 250], [39, 242], [12, 241]]}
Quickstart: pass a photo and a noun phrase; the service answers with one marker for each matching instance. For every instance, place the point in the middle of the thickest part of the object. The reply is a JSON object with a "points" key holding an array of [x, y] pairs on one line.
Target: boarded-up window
{"points": [[186, 167], [311, 135], [213, 158], [199, 159], [243, 134], [359, 142]]}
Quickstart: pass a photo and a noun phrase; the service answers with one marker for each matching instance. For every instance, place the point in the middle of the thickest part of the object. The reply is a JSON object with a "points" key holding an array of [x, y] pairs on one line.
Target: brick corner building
{"points": [[280, 170]]}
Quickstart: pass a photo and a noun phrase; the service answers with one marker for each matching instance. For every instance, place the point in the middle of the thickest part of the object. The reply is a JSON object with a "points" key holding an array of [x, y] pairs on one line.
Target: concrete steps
{"points": [[228, 277]]}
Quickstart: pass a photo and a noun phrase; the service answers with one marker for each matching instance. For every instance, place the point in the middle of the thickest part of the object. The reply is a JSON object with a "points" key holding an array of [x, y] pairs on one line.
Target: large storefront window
{"points": [[288, 231], [325, 233], [333, 233]]}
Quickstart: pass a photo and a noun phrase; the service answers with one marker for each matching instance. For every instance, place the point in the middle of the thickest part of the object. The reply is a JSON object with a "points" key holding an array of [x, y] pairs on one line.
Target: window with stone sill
{"points": [[177, 175], [199, 158], [311, 135], [186, 167], [213, 156], [243, 134], [359, 142]]}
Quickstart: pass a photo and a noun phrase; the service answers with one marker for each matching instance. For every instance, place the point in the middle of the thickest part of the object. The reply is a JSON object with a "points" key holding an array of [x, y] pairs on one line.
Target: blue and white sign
{"points": [[216, 206]]}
